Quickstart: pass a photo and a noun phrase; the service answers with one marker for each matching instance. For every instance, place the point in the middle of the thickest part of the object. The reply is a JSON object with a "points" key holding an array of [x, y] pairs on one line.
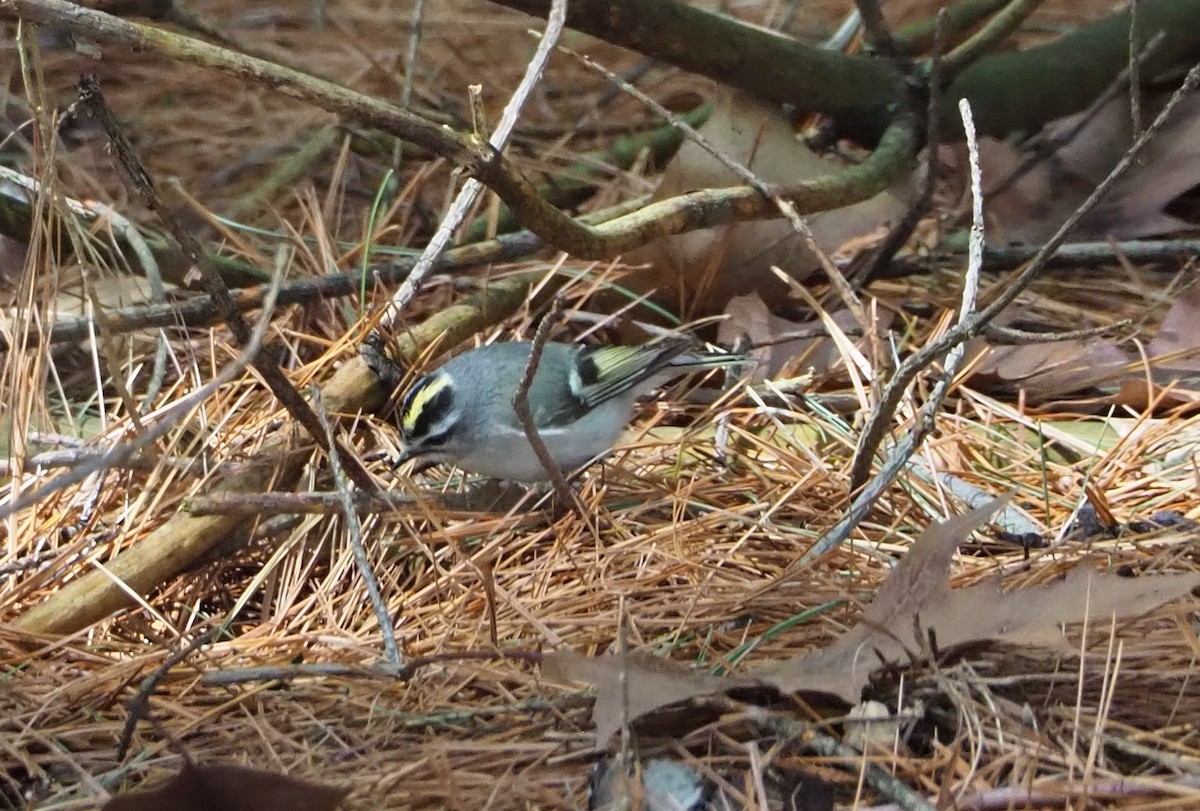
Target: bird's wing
{"points": [[604, 372]]}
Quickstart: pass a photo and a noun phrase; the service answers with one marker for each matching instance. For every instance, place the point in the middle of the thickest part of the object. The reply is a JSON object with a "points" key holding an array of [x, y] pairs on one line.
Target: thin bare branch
{"points": [[473, 187]]}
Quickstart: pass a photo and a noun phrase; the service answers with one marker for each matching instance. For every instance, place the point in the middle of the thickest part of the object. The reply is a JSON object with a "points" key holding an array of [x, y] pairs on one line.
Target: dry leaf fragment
{"points": [[647, 682], [708, 267], [1047, 372], [1138, 205], [231, 788], [917, 594], [1036, 616]]}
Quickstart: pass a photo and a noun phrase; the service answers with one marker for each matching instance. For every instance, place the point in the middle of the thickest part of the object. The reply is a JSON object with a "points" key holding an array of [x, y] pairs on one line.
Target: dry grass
{"points": [[679, 548]]}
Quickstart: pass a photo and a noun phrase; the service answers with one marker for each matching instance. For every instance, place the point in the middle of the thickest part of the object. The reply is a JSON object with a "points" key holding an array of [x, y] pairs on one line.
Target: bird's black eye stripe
{"points": [[433, 412]]}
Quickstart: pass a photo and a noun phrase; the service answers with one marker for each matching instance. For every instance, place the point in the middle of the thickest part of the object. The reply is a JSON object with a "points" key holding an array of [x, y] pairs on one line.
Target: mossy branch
{"points": [[665, 218], [708, 207], [1009, 92]]}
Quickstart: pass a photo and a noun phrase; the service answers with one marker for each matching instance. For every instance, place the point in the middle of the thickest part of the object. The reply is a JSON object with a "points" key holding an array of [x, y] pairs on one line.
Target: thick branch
{"points": [[1014, 91], [1019, 91], [768, 64], [709, 207], [665, 218]]}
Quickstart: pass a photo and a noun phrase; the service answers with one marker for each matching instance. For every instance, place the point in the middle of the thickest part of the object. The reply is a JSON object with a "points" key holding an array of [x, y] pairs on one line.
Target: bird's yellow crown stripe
{"points": [[420, 397]]}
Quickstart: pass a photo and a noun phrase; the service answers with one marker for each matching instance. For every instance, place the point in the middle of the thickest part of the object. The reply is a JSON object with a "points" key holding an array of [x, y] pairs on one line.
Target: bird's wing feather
{"points": [[607, 371]]}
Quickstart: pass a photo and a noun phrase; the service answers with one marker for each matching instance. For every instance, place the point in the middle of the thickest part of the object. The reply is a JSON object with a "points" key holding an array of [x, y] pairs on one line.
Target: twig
{"points": [[924, 423], [137, 176], [1093, 254], [1134, 68], [993, 32], [1020, 336], [961, 16], [326, 503], [922, 358], [879, 258], [286, 173], [354, 532], [138, 707], [415, 21], [1167, 760], [311, 503], [454, 719], [479, 125], [878, 35], [562, 490], [387, 671], [30, 561], [472, 188], [120, 454], [577, 181], [850, 759], [1053, 145]]}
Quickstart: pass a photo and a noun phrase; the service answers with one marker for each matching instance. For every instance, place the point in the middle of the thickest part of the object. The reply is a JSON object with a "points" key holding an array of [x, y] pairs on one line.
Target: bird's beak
{"points": [[421, 465]]}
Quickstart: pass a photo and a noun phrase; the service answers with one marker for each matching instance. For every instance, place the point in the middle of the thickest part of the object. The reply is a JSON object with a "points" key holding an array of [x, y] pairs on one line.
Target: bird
{"points": [[581, 399]]}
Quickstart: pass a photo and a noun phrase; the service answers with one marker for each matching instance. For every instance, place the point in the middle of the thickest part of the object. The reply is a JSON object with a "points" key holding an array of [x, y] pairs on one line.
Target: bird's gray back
{"points": [[551, 384]]}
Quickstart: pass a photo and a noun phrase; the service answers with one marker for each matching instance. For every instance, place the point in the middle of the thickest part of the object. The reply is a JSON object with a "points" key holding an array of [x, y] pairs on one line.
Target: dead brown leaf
{"points": [[780, 341], [1047, 370], [231, 788], [1178, 337], [709, 267], [1135, 394], [629, 687], [1036, 616], [1168, 167], [1031, 209], [1050, 371], [917, 594], [920, 578]]}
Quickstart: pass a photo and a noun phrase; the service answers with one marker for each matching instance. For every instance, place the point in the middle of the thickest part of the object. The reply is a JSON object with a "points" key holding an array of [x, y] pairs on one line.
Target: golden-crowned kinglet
{"points": [[581, 400]]}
